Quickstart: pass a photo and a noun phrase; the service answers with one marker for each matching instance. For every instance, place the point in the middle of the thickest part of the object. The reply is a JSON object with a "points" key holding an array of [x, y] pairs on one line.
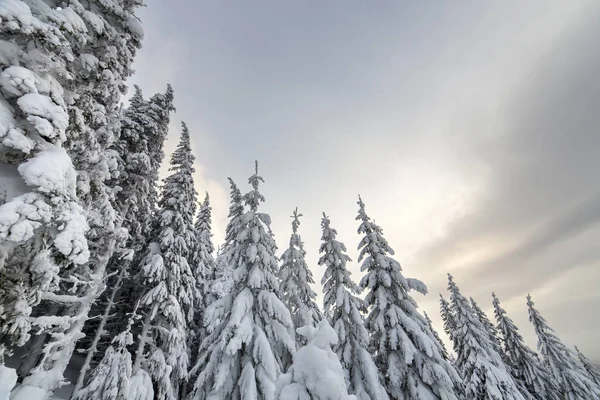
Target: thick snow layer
{"points": [[12, 135], [135, 26], [22, 215], [15, 13], [8, 379], [140, 387], [50, 171], [48, 118], [29, 393]]}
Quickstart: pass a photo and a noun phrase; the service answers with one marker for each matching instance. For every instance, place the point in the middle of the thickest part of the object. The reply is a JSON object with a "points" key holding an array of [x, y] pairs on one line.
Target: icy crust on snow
{"points": [[8, 379], [316, 372]]}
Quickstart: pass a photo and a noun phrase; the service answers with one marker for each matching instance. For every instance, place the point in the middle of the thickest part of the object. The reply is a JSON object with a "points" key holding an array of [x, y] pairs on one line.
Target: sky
{"points": [[470, 129]]}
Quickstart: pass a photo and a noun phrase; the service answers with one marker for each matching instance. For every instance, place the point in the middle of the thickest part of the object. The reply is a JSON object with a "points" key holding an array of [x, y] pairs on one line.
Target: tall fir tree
{"points": [[489, 328], [572, 380], [344, 311], [485, 376], [524, 363], [203, 260], [404, 348], [104, 37], [203, 268], [248, 328], [442, 347], [143, 131], [42, 223], [223, 269], [592, 370], [171, 287], [296, 278]]}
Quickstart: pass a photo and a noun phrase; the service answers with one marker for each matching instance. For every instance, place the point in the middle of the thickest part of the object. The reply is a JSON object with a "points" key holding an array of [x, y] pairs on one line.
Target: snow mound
{"points": [[316, 372], [8, 379], [139, 387], [27, 392]]}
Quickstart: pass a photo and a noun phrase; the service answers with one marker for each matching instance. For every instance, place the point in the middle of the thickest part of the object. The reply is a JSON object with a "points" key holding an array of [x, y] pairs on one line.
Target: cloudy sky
{"points": [[471, 130]]}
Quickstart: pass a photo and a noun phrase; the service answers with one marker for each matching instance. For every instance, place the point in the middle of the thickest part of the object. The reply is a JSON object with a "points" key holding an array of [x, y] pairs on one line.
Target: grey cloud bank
{"points": [[471, 132]]}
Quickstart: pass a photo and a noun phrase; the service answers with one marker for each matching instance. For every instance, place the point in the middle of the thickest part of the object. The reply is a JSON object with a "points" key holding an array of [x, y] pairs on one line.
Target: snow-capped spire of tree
{"points": [[344, 311], [447, 318], [167, 275], [524, 363], [488, 326], [248, 328], [404, 348], [485, 376], [110, 379], [573, 380], [316, 372], [296, 277], [442, 349], [591, 369]]}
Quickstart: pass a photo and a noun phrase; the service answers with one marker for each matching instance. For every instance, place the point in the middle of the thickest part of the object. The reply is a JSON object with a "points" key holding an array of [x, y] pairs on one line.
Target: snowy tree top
{"points": [[254, 197], [296, 221]]}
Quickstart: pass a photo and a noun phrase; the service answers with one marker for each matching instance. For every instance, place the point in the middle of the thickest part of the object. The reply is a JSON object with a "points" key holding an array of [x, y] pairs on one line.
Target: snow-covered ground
{"points": [[70, 374]]}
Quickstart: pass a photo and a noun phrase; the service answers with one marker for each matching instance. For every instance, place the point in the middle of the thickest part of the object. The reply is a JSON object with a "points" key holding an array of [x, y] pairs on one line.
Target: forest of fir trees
{"points": [[107, 271]]}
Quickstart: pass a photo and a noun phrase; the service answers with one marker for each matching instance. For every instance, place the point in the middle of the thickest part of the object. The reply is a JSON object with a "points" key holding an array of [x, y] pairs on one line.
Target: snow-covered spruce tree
{"points": [[203, 261], [248, 328], [167, 275], [590, 368], [447, 318], [110, 379], [404, 348], [524, 363], [485, 376], [488, 326], [143, 132], [572, 380], [103, 38], [316, 372], [296, 278], [42, 225], [344, 311], [223, 268], [203, 269], [442, 347]]}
